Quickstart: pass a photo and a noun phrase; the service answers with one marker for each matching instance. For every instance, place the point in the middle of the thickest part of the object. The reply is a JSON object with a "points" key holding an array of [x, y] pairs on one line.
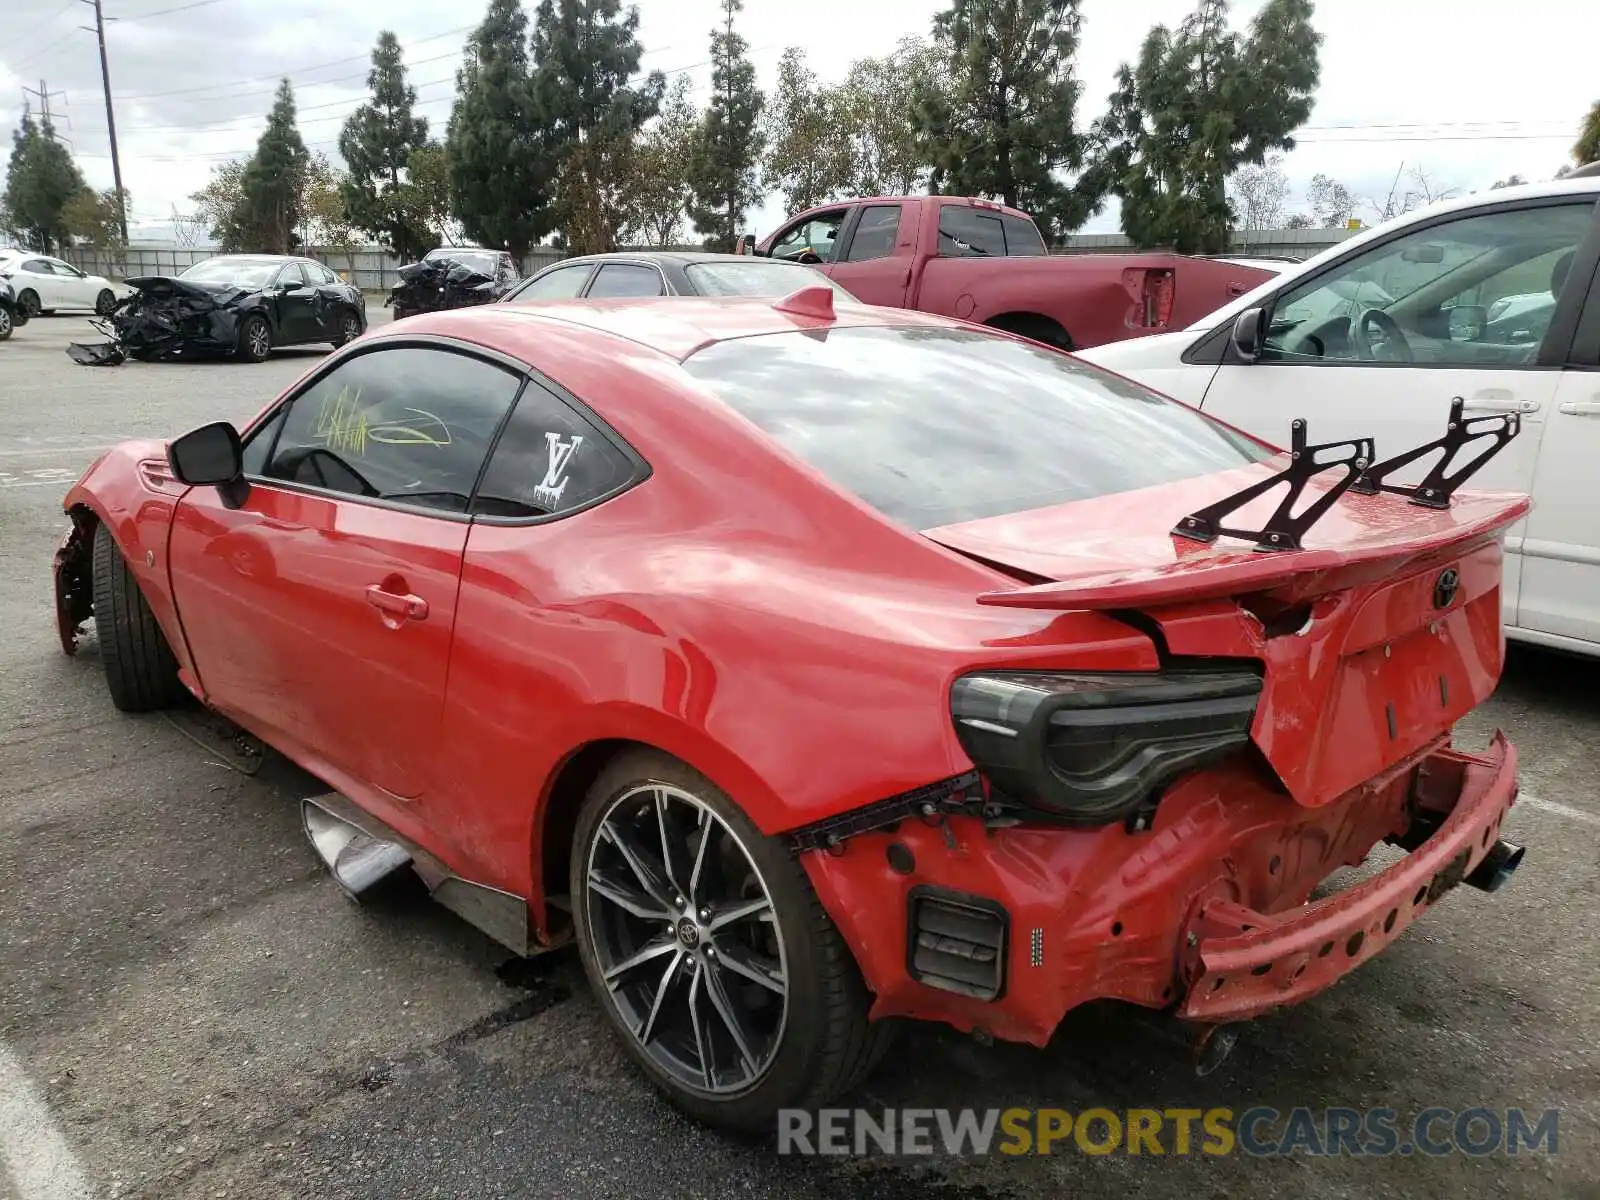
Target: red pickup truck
{"points": [[936, 254]]}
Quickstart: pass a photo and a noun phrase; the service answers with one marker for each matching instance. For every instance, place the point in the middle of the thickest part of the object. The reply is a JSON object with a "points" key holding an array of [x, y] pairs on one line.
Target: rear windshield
{"points": [[966, 232], [936, 426], [755, 277]]}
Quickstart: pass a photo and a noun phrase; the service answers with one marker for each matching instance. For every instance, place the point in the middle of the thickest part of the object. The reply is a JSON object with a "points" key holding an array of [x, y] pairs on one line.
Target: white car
{"points": [[44, 284], [1375, 336]]}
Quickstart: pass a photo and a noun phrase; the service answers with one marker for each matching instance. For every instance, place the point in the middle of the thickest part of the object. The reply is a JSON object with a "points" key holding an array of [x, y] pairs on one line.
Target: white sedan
{"points": [[44, 284]]}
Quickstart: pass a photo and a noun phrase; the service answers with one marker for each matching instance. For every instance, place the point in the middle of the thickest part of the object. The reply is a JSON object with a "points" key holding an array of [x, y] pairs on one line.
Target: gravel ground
{"points": [[205, 1015]]}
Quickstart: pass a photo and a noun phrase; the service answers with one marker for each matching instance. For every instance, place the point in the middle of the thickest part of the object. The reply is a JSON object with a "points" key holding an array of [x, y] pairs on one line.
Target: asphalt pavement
{"points": [[190, 1008]]}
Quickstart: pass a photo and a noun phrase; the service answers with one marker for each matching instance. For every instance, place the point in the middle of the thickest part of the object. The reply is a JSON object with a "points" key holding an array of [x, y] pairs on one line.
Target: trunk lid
{"points": [[1375, 638]]}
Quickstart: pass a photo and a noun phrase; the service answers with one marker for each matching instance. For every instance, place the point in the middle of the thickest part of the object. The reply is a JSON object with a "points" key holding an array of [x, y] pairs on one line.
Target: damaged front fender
{"points": [[164, 317], [74, 579]]}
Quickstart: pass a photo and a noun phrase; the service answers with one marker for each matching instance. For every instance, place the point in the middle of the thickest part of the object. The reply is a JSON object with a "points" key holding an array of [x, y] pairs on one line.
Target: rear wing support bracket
{"points": [[1285, 528], [1435, 490]]}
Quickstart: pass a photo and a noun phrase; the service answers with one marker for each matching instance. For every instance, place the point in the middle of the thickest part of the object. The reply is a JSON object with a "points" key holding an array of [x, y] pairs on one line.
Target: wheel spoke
{"points": [[756, 968], [625, 895], [645, 871], [707, 827], [702, 1043], [647, 1028], [731, 1018], [659, 800], [742, 911], [652, 950]]}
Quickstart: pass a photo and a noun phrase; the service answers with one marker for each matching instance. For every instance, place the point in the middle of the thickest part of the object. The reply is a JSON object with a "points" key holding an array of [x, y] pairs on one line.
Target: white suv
{"points": [[1375, 336]]}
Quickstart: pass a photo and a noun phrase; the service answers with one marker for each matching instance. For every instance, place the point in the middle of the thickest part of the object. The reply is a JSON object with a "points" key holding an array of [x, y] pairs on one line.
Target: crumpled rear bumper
{"points": [[1244, 963]]}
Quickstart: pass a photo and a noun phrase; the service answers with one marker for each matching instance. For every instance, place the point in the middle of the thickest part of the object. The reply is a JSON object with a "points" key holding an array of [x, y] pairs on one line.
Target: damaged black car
{"points": [[243, 305], [13, 313], [453, 277]]}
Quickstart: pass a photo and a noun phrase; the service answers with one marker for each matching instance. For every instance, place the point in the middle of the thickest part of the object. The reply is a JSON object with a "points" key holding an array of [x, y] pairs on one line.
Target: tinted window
{"points": [[38, 266], [320, 274], [260, 443], [970, 231], [1022, 237], [874, 236], [936, 426], [619, 279], [549, 459], [756, 277], [406, 424], [292, 275], [562, 283]]}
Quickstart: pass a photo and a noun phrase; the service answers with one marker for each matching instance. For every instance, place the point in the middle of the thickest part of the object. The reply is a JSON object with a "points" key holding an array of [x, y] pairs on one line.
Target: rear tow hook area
{"points": [[1207, 1044]]}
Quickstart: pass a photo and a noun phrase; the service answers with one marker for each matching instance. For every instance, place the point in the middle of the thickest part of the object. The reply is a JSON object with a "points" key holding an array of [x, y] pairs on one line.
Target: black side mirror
{"points": [[1249, 331], [213, 456]]}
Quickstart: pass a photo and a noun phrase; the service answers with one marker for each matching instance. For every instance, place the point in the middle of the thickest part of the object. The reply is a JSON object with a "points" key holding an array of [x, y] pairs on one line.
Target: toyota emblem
{"points": [[1446, 587]]}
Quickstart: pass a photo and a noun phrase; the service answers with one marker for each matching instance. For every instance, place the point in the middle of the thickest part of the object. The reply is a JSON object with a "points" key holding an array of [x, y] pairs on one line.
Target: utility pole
{"points": [[111, 121]]}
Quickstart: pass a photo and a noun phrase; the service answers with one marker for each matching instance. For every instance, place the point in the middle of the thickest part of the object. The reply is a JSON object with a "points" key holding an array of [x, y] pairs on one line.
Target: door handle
{"points": [[1498, 401], [408, 606], [1581, 408]]}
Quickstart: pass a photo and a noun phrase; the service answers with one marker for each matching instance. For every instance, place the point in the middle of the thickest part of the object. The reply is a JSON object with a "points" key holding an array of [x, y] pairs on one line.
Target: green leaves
{"points": [[377, 142], [41, 182], [270, 206], [1201, 103], [724, 172]]}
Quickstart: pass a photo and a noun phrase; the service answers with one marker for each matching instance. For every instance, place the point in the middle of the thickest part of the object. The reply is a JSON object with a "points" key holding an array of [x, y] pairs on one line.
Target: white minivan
{"points": [[1375, 336]]}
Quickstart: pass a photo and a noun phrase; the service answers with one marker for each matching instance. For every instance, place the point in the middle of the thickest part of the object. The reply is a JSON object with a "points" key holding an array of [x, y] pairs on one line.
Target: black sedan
{"points": [[667, 273], [266, 300]]}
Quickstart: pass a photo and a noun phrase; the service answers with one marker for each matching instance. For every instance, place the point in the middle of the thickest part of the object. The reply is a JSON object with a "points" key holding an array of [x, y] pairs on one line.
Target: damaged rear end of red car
{"points": [[1166, 837]]}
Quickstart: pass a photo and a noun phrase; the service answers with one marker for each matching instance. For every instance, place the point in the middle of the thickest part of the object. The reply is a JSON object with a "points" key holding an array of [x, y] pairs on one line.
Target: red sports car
{"points": [[810, 668]]}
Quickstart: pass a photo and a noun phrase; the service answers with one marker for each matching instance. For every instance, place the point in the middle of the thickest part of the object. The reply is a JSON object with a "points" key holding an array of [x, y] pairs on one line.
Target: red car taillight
{"points": [[1157, 295]]}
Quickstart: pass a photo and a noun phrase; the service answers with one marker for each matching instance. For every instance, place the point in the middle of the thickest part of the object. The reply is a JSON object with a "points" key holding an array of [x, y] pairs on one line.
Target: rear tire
{"points": [[802, 1048], [349, 329], [255, 339], [141, 672], [1040, 329], [5, 324], [104, 303], [29, 303]]}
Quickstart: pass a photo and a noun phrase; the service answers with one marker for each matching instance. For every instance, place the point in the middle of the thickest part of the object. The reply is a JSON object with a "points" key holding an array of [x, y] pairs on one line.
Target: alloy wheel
{"points": [[260, 340], [5, 323], [686, 939], [352, 328]]}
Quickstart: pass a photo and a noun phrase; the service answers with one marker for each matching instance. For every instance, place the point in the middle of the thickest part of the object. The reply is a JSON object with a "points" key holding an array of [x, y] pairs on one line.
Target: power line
{"points": [[33, 29], [167, 11], [34, 57]]}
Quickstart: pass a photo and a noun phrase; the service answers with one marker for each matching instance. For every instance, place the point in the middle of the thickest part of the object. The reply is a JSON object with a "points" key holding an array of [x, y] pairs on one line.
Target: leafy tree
{"points": [[502, 180], [658, 190], [1509, 181], [95, 219], [427, 194], [1299, 221], [41, 181], [1200, 103], [586, 52], [1332, 203], [1256, 194], [808, 132], [377, 141], [220, 204], [724, 174], [1005, 127], [326, 223], [273, 182], [1587, 148], [880, 100]]}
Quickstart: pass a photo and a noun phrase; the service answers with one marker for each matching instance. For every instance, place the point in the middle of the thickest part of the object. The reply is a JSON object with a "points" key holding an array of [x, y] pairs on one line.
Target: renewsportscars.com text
{"points": [[1258, 1132]]}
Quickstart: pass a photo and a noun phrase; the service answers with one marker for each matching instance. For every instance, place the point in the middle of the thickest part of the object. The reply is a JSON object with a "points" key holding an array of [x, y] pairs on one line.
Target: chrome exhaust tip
{"points": [[357, 860], [1495, 870]]}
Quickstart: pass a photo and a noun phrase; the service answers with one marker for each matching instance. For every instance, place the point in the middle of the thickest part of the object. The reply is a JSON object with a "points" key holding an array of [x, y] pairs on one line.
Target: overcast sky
{"points": [[1471, 91]]}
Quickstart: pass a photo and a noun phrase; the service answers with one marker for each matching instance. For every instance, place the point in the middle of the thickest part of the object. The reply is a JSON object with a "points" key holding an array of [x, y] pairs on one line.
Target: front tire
{"points": [[5, 324], [104, 303], [255, 339], [141, 672], [709, 951], [29, 303]]}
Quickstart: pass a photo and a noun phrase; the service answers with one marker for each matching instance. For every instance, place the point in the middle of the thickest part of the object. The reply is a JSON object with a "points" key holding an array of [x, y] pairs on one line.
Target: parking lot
{"points": [[190, 1008]]}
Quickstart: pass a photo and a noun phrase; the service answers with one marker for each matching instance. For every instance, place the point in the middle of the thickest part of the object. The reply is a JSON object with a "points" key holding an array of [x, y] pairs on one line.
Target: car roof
{"points": [[278, 258], [680, 257], [675, 326]]}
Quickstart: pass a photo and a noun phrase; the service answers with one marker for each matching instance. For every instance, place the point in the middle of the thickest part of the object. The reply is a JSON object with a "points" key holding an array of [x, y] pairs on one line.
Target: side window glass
{"points": [[1478, 291], [291, 276], [563, 283], [811, 240], [875, 232], [1023, 239], [968, 232], [622, 279], [38, 266], [410, 424], [320, 274], [549, 460], [260, 443]]}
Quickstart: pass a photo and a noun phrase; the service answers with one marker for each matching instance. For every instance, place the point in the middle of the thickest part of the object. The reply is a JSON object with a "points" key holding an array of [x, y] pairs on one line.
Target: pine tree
{"points": [[42, 181], [271, 204], [376, 142], [1004, 126], [502, 179], [725, 177], [1201, 103], [585, 52]]}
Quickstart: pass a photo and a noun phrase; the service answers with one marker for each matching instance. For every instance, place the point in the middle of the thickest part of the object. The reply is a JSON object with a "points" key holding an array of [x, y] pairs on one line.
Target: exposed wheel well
{"points": [[560, 818], [1033, 325]]}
